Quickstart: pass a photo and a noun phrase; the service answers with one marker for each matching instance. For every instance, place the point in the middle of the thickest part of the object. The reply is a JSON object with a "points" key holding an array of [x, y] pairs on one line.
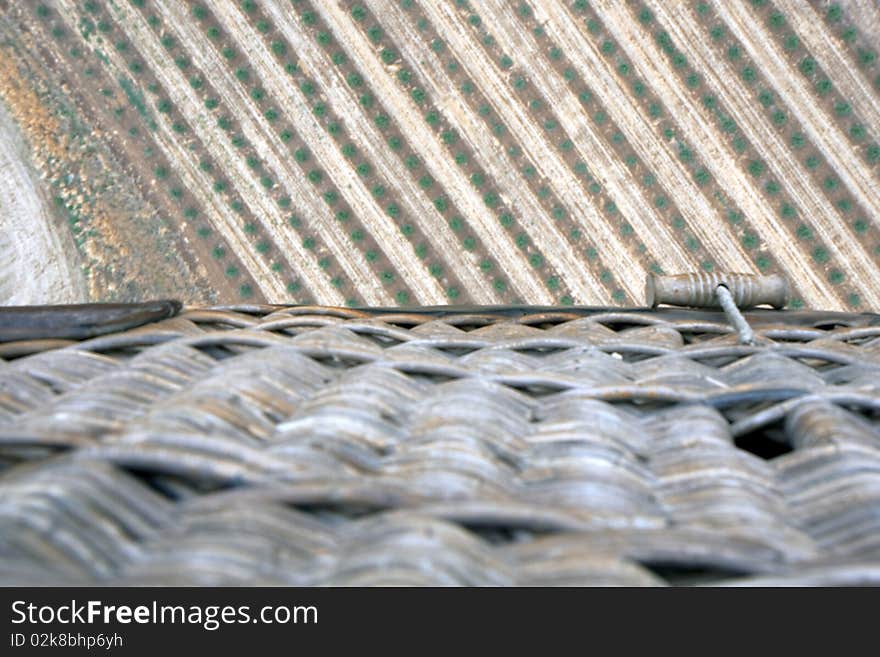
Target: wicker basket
{"points": [[446, 446]]}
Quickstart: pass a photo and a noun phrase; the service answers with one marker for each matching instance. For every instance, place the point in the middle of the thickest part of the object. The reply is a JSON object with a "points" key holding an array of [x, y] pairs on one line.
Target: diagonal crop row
{"points": [[431, 147], [684, 125], [110, 49], [364, 200], [852, 56], [493, 162], [367, 131], [242, 200], [674, 194], [479, 63], [259, 145], [836, 100], [797, 115], [486, 152], [762, 149]]}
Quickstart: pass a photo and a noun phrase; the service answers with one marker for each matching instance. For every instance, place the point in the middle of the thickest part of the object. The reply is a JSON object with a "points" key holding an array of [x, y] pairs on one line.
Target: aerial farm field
{"points": [[403, 152]]}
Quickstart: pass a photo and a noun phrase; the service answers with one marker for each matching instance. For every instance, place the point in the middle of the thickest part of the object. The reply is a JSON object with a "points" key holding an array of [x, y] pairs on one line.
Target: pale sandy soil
{"points": [[38, 258]]}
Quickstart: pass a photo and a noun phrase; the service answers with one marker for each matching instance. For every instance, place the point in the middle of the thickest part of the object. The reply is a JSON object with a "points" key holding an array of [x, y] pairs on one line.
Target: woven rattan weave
{"points": [[492, 446]]}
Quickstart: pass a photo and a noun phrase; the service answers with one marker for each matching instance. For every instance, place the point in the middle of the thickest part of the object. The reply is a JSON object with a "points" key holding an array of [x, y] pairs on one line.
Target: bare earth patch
{"points": [[38, 259]]}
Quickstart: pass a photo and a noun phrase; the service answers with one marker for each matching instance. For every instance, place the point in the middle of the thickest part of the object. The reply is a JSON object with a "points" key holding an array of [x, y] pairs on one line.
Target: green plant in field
{"points": [[820, 254], [857, 131], [232, 271], [375, 33]]}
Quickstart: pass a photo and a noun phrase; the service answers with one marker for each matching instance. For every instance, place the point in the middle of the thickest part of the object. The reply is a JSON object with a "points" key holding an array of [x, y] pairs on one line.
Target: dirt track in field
{"points": [[38, 260]]}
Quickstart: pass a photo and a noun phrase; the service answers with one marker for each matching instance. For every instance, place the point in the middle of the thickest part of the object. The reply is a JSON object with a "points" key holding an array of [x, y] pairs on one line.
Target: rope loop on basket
{"points": [[734, 316]]}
